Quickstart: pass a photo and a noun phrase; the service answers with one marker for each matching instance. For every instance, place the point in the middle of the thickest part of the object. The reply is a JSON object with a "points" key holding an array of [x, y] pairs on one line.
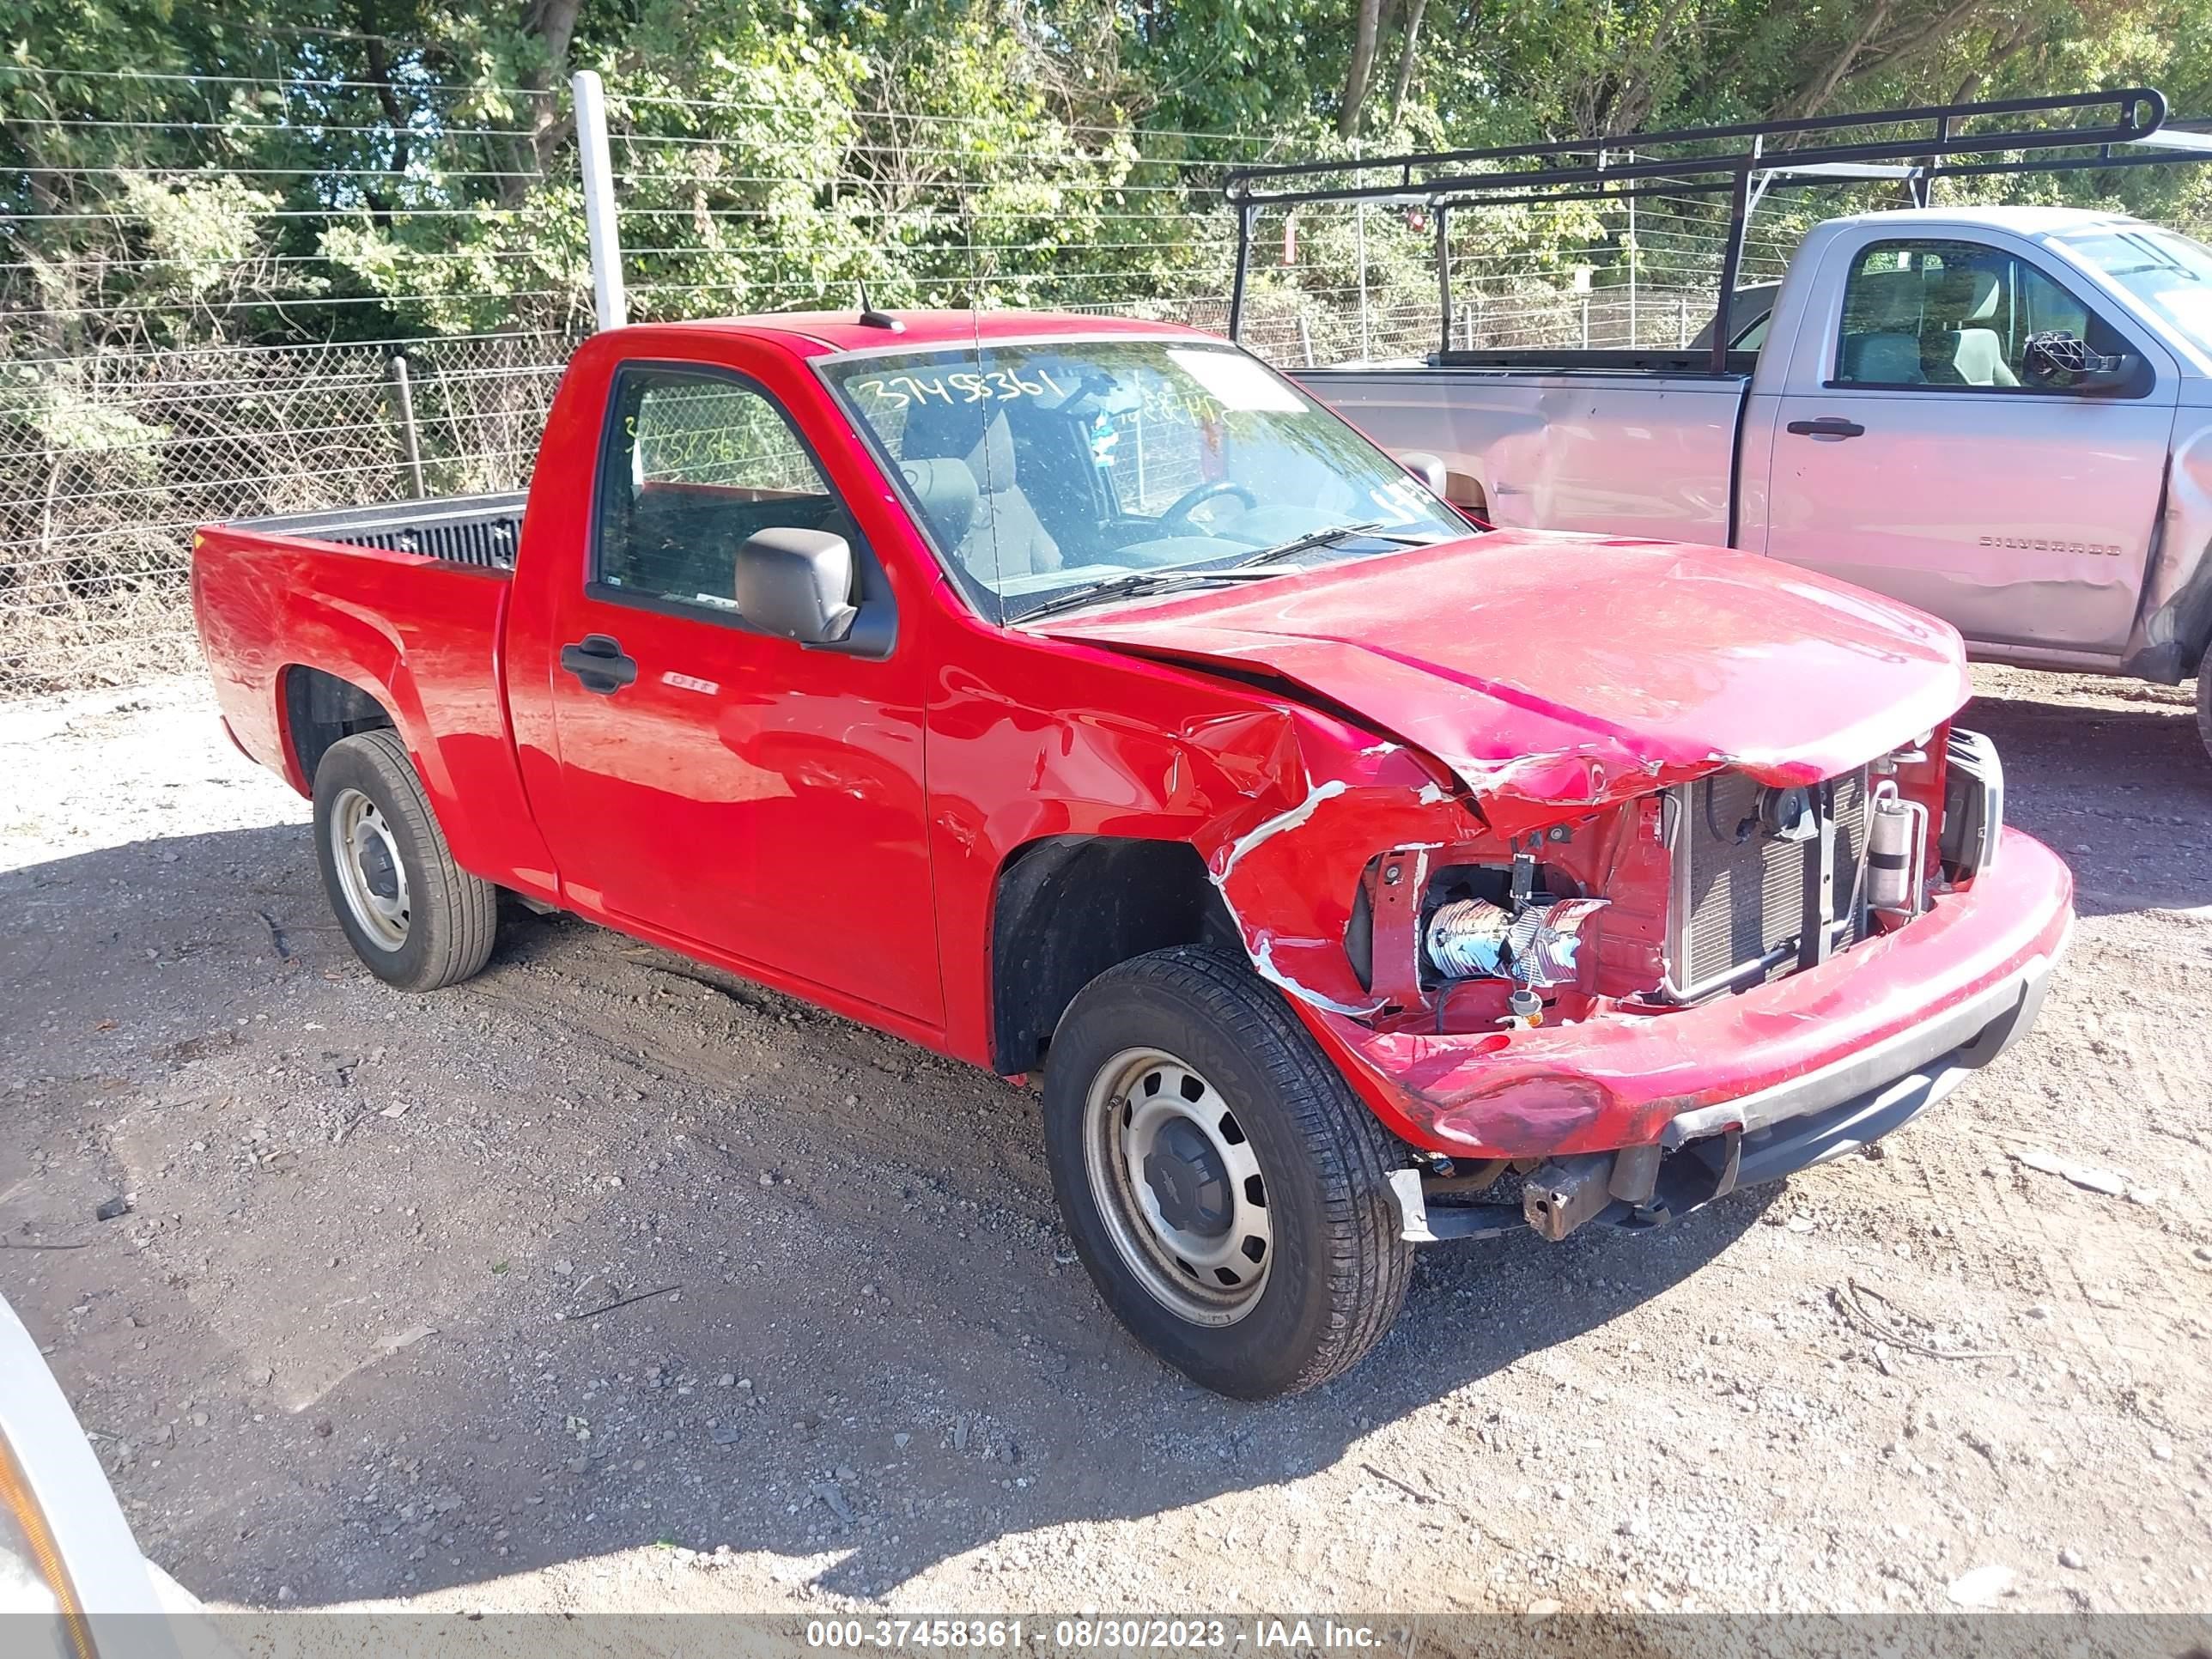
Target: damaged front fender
{"points": [[1290, 880], [1535, 701]]}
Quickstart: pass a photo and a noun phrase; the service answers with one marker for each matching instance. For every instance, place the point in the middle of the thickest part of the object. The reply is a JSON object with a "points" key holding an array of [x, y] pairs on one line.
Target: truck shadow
{"points": [[366, 1332], [2123, 794]]}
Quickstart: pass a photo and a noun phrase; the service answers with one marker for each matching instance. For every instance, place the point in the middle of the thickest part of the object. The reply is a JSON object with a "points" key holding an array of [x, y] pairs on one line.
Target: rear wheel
{"points": [[1227, 1191], [418, 919]]}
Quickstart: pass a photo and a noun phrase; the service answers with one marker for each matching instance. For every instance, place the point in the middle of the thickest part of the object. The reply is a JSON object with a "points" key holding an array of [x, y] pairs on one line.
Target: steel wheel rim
{"points": [[371, 874], [1179, 1186]]}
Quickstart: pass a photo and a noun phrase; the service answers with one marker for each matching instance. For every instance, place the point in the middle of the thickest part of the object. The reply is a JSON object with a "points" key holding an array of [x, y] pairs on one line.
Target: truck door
{"points": [[716, 784], [1916, 449]]}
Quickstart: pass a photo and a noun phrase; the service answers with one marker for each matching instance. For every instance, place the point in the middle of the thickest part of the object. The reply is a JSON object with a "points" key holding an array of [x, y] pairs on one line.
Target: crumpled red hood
{"points": [[1550, 671]]}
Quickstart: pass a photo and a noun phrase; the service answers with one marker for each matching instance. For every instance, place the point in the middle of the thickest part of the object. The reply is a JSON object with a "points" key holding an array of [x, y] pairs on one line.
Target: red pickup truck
{"points": [[1079, 696]]}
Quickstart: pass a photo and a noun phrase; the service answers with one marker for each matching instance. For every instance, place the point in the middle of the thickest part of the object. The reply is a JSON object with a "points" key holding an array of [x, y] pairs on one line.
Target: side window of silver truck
{"points": [[1951, 315]]}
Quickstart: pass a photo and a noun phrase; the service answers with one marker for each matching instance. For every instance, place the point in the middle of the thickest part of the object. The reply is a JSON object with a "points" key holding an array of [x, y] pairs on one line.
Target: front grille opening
{"points": [[1746, 857]]}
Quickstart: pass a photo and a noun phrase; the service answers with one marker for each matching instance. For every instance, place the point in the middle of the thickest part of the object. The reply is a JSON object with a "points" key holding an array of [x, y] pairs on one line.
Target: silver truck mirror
{"points": [[797, 584], [1429, 469], [2060, 361]]}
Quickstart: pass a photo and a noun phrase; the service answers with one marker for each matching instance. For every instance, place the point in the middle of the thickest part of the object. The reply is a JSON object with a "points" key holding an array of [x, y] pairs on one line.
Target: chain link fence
{"points": [[96, 534]]}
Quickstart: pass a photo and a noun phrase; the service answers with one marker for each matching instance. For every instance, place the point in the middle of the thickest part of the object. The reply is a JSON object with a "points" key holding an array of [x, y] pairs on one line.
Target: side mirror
{"points": [[2060, 361], [797, 584], [1429, 469]]}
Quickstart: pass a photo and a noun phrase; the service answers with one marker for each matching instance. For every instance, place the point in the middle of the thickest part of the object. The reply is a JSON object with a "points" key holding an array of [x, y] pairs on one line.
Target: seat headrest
{"points": [[977, 435], [1883, 303], [947, 490], [1965, 295]]}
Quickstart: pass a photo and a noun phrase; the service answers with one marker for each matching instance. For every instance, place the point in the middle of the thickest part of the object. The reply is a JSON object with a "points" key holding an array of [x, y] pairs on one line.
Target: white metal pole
{"points": [[1360, 212], [1632, 263], [612, 305]]}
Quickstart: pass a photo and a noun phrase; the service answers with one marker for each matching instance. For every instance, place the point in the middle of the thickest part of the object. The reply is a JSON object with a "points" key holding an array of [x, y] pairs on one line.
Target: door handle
{"points": [[598, 661], [1828, 426]]}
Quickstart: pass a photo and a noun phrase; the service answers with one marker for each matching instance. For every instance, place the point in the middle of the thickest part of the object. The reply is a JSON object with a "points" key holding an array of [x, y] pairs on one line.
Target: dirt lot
{"points": [[345, 1347]]}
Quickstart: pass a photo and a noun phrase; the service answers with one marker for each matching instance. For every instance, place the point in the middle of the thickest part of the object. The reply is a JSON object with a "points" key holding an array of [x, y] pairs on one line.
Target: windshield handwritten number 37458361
{"points": [[1000, 385]]}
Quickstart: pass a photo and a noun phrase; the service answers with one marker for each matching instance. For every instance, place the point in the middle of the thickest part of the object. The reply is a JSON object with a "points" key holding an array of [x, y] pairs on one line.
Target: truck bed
{"points": [[477, 530], [305, 615]]}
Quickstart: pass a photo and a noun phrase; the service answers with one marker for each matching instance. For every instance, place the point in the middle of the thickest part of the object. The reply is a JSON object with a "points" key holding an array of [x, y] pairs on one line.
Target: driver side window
{"points": [[697, 462], [1952, 315]]}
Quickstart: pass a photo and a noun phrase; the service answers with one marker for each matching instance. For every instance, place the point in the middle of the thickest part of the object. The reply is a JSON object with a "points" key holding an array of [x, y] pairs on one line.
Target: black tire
{"points": [[1336, 1269], [446, 918]]}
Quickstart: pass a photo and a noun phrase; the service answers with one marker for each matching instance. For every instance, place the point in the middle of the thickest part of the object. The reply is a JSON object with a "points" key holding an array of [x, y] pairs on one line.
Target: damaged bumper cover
{"points": [[1771, 1079], [1790, 1127]]}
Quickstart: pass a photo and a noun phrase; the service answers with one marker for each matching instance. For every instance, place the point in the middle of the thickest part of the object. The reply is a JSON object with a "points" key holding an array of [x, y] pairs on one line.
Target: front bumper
{"points": [[1709, 1153], [1785, 1073]]}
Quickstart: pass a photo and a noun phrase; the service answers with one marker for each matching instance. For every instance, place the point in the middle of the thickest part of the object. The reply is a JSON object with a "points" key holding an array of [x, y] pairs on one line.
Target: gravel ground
{"points": [[366, 1335]]}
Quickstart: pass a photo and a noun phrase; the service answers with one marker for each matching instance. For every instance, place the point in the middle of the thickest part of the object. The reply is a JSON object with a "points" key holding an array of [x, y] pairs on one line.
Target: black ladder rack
{"points": [[1742, 161]]}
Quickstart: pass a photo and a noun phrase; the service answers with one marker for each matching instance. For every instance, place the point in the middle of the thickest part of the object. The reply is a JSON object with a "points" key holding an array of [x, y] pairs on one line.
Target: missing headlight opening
{"points": [[1473, 935], [1532, 945], [1530, 939]]}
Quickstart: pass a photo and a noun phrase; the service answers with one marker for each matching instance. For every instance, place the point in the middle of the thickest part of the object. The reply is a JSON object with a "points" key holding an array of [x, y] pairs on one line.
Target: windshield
{"points": [[1044, 468], [2170, 274]]}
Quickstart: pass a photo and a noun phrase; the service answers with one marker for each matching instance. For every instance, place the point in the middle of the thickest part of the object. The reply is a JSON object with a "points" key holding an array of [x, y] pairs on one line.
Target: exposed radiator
{"points": [[1738, 912]]}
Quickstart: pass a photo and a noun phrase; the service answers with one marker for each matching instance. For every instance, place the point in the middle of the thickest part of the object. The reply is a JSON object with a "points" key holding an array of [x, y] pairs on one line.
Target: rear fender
{"points": [[354, 650], [468, 776]]}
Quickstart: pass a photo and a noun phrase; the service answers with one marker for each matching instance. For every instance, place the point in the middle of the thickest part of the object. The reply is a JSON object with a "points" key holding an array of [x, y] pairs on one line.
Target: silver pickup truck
{"points": [[2002, 416]]}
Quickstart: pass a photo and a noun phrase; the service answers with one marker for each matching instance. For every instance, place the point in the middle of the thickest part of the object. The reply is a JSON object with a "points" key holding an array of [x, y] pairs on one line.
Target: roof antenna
{"points": [[870, 318]]}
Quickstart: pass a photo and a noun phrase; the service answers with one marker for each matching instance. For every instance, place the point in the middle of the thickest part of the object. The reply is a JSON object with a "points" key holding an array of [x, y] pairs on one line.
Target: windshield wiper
{"points": [[1318, 538], [1243, 568], [1138, 583]]}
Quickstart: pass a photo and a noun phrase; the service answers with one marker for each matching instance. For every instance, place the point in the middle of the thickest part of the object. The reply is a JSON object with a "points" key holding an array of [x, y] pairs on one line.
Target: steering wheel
{"points": [[1191, 499]]}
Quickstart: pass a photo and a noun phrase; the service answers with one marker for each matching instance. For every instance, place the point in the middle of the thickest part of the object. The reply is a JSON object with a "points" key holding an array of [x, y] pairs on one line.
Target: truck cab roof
{"points": [[2022, 221], [843, 331]]}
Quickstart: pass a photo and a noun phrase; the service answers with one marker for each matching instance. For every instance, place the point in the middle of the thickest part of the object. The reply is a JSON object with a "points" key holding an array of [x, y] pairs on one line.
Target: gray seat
{"points": [[1003, 535], [1881, 331], [1883, 360], [946, 492]]}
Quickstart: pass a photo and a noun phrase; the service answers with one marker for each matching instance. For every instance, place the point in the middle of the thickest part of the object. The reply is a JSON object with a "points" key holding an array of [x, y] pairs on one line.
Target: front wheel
{"points": [[418, 919], [1227, 1191]]}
